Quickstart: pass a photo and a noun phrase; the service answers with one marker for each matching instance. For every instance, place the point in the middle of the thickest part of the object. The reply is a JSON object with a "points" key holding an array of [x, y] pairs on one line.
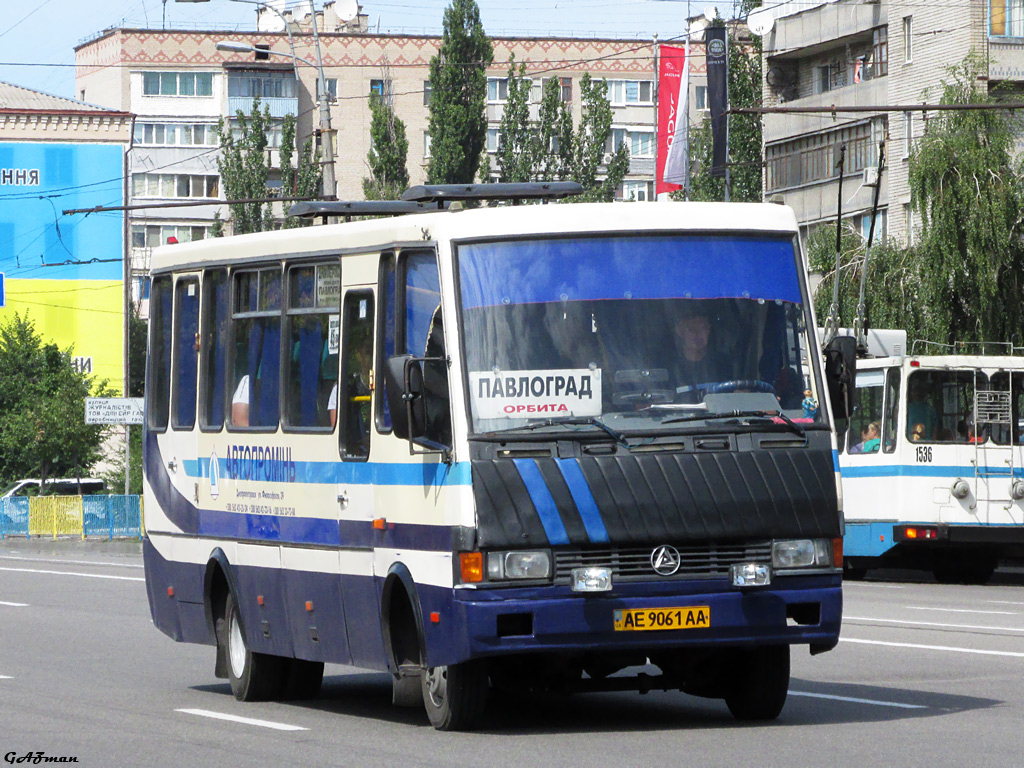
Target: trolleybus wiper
{"points": [[568, 421], [740, 415]]}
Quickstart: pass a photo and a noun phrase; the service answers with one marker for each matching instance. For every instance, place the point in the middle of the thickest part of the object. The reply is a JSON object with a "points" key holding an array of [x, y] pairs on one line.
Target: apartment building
{"points": [[867, 53], [179, 84]]}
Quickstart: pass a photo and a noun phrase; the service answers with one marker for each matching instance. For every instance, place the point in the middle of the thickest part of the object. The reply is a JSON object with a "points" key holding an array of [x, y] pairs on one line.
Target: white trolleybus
{"points": [[518, 446], [933, 462]]}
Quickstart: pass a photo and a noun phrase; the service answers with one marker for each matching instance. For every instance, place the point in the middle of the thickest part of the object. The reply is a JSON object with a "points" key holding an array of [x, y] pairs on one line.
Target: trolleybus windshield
{"points": [[634, 331]]}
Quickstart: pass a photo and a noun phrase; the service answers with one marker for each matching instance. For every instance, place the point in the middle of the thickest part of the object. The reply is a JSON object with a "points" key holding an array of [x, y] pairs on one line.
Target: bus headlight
{"points": [[802, 553], [503, 566]]}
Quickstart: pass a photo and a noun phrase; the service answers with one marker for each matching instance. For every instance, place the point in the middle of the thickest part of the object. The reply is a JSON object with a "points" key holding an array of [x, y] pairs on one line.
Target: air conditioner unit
{"points": [[607, 158], [870, 176]]}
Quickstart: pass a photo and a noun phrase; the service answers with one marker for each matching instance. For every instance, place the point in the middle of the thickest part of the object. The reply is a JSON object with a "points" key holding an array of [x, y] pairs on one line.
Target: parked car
{"points": [[60, 486]]}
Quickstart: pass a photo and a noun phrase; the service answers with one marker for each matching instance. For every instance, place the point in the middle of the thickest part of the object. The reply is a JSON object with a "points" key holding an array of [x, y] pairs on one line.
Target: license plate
{"points": [[643, 619]]}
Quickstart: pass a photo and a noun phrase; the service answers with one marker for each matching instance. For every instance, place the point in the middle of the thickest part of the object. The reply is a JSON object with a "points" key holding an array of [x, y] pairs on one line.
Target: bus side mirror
{"points": [[840, 371], [404, 388]]}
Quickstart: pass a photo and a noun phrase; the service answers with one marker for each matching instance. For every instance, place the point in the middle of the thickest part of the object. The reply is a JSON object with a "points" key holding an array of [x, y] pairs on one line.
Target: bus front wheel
{"points": [[253, 676], [760, 683], [454, 696]]}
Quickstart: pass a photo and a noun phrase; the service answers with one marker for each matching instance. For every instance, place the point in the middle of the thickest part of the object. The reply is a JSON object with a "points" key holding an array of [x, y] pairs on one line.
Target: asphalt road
{"points": [[925, 675]]}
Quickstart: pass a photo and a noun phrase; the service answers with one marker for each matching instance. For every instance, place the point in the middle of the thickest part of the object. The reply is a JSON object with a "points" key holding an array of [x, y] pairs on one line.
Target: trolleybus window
{"points": [[1013, 387], [216, 315], [256, 324], [633, 330], [311, 366], [940, 406], [352, 403], [890, 428], [186, 352], [865, 435], [158, 385]]}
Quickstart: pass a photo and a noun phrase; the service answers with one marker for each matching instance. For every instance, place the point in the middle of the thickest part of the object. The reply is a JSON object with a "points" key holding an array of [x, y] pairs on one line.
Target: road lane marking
{"points": [[1005, 602], [852, 700], [933, 624], [5, 677], [73, 562], [959, 610], [14, 605], [243, 720], [861, 584], [1014, 654], [72, 573]]}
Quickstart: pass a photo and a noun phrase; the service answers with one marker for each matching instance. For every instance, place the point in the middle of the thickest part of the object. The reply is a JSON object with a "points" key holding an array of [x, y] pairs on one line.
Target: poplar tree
{"points": [[305, 179], [588, 145], [389, 148], [458, 78], [244, 168], [517, 154]]}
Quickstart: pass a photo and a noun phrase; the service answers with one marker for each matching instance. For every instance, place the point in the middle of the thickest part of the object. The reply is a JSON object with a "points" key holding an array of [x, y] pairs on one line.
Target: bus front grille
{"points": [[636, 563]]}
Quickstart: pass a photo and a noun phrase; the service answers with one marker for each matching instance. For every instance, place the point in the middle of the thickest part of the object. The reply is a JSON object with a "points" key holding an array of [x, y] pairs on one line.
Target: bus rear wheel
{"points": [[454, 696], [253, 676], [760, 683]]}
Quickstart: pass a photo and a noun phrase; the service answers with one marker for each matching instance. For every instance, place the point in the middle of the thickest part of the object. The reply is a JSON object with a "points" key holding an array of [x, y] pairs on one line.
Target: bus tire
{"points": [[454, 696], [760, 683], [253, 676], [303, 679]]}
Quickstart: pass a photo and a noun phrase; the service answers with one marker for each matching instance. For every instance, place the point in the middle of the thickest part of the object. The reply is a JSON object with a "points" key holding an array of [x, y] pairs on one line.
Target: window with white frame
{"points": [[262, 84], [637, 191], [177, 84], [616, 136], [274, 133], [493, 139], [152, 235], [497, 89], [176, 134], [426, 145], [700, 98], [332, 88], [863, 224], [428, 92], [908, 133], [908, 39], [623, 92], [1006, 18], [641, 143], [174, 185]]}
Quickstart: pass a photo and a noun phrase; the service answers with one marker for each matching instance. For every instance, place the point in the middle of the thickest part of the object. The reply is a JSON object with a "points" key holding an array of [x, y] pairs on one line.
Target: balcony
{"points": [[806, 33], [784, 126], [279, 107]]}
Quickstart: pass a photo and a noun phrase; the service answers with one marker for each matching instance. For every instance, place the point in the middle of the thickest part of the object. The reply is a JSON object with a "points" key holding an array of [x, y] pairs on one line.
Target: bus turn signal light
{"points": [[837, 552], [471, 565]]}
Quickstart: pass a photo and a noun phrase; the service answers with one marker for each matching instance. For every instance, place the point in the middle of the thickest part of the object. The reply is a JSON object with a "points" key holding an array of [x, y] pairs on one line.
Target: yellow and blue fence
{"points": [[111, 517]]}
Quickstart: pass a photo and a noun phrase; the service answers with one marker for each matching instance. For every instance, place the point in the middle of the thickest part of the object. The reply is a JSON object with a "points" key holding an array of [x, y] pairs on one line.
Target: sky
{"points": [[37, 39]]}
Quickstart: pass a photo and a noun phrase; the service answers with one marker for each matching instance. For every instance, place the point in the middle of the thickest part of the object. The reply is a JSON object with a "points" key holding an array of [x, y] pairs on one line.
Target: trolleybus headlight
{"points": [[802, 553], [518, 565]]}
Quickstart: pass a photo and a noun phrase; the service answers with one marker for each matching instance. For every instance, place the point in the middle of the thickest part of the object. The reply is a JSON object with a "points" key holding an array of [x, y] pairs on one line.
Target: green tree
{"points": [[588, 145], [244, 168], [303, 178], [458, 78], [42, 408], [968, 189], [554, 133], [517, 155], [389, 148], [744, 130]]}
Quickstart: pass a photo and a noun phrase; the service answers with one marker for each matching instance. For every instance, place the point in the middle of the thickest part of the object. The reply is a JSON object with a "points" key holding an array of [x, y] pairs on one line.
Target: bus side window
{"points": [[892, 400], [386, 331], [353, 401], [256, 324], [214, 348], [186, 353], [312, 361], [424, 337], [158, 382]]}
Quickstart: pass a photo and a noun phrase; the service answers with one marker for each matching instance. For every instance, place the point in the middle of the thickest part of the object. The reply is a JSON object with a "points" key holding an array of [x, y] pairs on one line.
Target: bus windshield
{"points": [[649, 332]]}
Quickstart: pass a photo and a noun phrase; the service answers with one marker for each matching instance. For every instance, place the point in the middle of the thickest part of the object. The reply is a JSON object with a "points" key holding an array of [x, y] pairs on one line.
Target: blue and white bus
{"points": [[933, 464], [470, 448]]}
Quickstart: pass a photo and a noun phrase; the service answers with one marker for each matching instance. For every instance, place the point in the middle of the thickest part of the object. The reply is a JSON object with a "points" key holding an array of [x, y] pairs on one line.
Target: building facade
{"points": [[866, 53], [179, 85], [64, 271]]}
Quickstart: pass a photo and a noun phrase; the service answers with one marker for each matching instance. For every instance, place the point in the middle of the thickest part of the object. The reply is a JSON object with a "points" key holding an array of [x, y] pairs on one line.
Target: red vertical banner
{"points": [[673, 86]]}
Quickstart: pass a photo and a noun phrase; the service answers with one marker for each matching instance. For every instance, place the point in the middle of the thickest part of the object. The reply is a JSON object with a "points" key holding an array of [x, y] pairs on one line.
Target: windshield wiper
{"points": [[568, 421], [763, 414]]}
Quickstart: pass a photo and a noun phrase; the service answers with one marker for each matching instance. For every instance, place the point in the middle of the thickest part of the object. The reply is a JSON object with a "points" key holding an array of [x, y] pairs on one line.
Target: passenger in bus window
{"points": [[917, 432], [240, 403], [920, 410], [871, 439]]}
